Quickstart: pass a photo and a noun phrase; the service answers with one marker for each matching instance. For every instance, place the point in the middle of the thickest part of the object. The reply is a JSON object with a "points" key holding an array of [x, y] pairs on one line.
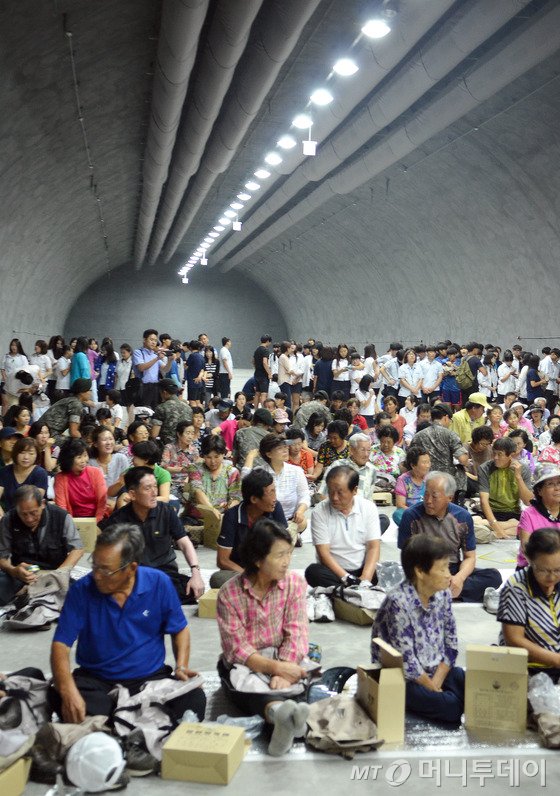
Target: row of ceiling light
{"points": [[375, 28]]}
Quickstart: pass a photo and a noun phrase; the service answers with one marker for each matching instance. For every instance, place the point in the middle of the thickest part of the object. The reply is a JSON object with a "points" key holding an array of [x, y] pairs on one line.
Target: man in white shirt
{"points": [[433, 375], [346, 533], [550, 367], [225, 375]]}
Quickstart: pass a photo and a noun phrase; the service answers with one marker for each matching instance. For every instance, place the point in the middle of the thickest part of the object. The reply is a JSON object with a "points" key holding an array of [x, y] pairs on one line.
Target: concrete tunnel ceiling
{"points": [[130, 127]]}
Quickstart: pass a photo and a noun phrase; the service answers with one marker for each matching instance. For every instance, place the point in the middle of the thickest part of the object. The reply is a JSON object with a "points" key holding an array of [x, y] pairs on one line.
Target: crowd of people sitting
{"points": [[461, 439]]}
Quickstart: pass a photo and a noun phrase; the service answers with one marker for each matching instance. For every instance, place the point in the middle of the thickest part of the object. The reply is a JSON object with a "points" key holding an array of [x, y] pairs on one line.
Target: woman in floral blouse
{"points": [[417, 619], [214, 482]]}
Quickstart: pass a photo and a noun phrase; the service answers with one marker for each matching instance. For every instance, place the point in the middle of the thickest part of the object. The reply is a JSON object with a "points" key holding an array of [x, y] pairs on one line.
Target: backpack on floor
{"points": [[340, 726]]}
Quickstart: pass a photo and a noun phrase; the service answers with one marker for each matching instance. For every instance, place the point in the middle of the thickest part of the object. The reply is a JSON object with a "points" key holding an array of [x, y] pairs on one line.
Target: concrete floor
{"points": [[342, 644]]}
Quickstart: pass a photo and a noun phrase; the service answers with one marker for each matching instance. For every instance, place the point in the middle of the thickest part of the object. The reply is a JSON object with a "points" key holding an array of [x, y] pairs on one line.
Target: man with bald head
{"points": [[438, 516]]}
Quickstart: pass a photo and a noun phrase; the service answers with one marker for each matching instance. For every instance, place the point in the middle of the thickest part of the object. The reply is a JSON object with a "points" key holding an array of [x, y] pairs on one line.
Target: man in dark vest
{"points": [[34, 534]]}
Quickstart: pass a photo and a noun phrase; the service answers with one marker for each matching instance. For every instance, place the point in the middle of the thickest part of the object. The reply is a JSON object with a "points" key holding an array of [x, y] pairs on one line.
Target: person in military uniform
{"points": [[319, 404], [248, 439], [34, 533], [169, 412], [66, 414]]}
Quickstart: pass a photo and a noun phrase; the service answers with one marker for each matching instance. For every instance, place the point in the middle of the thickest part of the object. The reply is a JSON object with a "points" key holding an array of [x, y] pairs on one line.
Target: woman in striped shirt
{"points": [[211, 370], [529, 607]]}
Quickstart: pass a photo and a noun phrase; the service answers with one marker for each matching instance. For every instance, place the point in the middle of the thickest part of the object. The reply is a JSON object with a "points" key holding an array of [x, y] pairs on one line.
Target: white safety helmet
{"points": [[95, 762]]}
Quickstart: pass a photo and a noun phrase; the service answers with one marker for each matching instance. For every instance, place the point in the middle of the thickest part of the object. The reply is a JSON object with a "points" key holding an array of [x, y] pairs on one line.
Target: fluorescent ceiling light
{"points": [[321, 96], [302, 121], [345, 67], [219, 228], [230, 213], [252, 186], [286, 142], [376, 29], [214, 234], [208, 240], [262, 174], [273, 159], [244, 196], [236, 205], [204, 246], [224, 220]]}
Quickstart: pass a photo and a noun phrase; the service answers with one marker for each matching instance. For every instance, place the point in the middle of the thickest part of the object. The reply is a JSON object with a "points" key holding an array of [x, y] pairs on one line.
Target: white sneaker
{"points": [[311, 607], [323, 609], [491, 600]]}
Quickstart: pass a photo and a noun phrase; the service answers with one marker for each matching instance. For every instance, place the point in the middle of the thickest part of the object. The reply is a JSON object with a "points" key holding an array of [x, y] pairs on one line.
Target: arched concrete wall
{"points": [[128, 302], [51, 242], [464, 244]]}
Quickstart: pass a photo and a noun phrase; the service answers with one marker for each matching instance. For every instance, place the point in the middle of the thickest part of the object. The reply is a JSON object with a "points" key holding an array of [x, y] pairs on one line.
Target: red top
{"points": [[83, 495]]}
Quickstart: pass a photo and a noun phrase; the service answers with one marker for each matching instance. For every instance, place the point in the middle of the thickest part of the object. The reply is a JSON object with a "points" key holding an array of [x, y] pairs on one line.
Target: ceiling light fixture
{"points": [[208, 240], [185, 280], [214, 234], [244, 196], [203, 261], [236, 226], [345, 67], [230, 213], [224, 220], [219, 228], [321, 96], [376, 28], [262, 174], [252, 186], [273, 159], [236, 205], [302, 121], [286, 142]]}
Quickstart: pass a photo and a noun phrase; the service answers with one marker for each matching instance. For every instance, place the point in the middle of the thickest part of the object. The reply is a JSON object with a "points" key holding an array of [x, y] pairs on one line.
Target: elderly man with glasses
{"points": [[119, 614]]}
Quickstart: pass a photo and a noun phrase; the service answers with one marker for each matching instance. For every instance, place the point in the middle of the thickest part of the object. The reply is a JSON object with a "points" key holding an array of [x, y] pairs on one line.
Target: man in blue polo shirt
{"points": [[438, 516], [148, 362], [259, 500], [119, 614]]}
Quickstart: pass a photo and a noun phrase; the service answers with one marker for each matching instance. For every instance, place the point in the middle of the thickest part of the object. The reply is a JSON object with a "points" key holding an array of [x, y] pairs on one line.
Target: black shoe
{"points": [[139, 761]]}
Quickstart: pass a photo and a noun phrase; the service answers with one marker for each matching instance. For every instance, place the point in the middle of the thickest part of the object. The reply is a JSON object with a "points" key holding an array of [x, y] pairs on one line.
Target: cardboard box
{"points": [[88, 530], [207, 604], [381, 692], [14, 778], [208, 753], [496, 688], [352, 613], [212, 527]]}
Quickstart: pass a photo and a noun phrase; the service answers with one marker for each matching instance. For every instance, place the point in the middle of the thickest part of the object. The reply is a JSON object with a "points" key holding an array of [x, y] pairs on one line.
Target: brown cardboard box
{"points": [[352, 613], [212, 527], [206, 753], [496, 688], [381, 692], [14, 778], [88, 530], [207, 604]]}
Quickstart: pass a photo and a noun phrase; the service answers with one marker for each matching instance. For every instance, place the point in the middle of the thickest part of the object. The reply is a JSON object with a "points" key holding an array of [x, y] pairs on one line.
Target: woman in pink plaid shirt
{"points": [[263, 626]]}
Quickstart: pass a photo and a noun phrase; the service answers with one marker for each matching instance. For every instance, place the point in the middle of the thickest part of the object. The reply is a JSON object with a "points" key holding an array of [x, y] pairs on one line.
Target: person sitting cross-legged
{"points": [[417, 619], [119, 614], [440, 517], [503, 482], [345, 531], [34, 533], [161, 529], [258, 492]]}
